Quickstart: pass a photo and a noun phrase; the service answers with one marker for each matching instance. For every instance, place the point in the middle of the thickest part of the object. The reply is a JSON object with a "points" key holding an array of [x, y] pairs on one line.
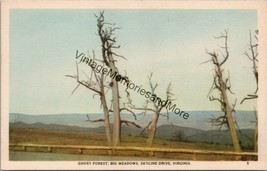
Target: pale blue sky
{"points": [[169, 43]]}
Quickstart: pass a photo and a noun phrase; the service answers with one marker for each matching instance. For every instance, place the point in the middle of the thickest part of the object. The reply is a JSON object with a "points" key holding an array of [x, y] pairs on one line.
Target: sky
{"points": [[169, 43]]}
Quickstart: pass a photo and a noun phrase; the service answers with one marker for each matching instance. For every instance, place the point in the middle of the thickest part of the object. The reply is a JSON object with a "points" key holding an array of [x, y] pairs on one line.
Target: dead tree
{"points": [[156, 109], [108, 41], [179, 135], [253, 57], [222, 85], [98, 85]]}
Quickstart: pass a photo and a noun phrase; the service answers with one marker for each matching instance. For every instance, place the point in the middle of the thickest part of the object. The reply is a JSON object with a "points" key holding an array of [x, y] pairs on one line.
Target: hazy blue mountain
{"points": [[39, 125], [62, 119], [197, 119], [163, 131]]}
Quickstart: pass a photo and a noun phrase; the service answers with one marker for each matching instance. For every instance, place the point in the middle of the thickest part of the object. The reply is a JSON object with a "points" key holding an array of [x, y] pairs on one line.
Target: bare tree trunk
{"points": [[233, 132], [228, 111], [153, 130], [157, 107], [256, 134], [107, 126], [108, 44], [106, 113], [116, 110], [117, 118], [256, 138]]}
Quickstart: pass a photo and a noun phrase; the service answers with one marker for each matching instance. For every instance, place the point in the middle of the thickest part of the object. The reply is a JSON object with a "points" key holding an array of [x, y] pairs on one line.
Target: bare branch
{"points": [[165, 115], [246, 53], [121, 109], [226, 48], [206, 61], [250, 96], [97, 120], [217, 99], [85, 85], [145, 128], [119, 55], [218, 121], [233, 108], [130, 122], [212, 86], [75, 88]]}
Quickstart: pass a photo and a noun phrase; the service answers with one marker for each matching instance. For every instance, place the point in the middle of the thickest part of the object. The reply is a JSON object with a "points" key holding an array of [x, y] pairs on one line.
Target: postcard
{"points": [[133, 85]]}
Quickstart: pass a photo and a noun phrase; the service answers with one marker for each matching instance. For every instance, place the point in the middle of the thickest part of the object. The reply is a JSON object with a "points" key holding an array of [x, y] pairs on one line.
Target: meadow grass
{"points": [[55, 137]]}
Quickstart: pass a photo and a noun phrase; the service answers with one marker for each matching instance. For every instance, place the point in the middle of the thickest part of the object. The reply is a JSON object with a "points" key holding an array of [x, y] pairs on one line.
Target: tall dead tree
{"points": [[156, 109], [108, 41], [222, 85], [253, 57], [106, 32]]}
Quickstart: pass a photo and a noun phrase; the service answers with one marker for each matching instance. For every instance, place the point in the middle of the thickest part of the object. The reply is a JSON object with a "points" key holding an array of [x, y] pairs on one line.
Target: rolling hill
{"points": [[163, 132], [197, 119]]}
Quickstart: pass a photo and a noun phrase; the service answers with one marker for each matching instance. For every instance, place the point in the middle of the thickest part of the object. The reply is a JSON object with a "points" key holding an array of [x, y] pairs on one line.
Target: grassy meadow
{"points": [[56, 137]]}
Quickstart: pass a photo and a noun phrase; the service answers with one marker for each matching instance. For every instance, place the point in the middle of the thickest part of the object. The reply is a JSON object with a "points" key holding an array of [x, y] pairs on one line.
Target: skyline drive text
{"points": [[130, 85]]}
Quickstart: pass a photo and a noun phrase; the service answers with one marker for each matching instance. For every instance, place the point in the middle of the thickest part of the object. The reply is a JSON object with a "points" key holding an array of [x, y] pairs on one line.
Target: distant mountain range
{"points": [[196, 128], [197, 119], [163, 131]]}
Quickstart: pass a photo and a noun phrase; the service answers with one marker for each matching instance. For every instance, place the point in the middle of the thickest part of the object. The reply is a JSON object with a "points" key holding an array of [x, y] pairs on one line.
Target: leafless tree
{"points": [[222, 85], [253, 57], [97, 83], [178, 135], [108, 43], [156, 108]]}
